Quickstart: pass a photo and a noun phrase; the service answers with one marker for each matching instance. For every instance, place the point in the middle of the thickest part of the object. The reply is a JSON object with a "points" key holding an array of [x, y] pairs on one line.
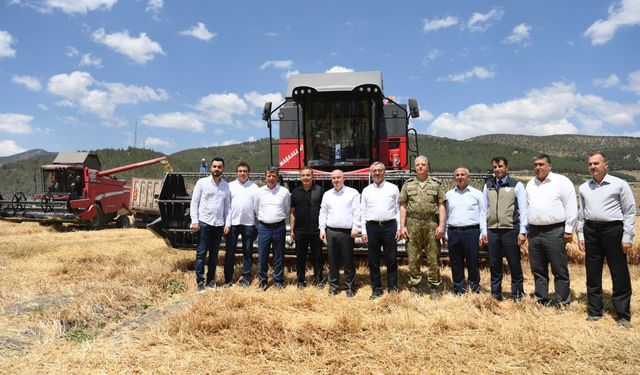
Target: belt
{"points": [[466, 227], [382, 222], [272, 225], [547, 226], [421, 216], [602, 223], [342, 230]]}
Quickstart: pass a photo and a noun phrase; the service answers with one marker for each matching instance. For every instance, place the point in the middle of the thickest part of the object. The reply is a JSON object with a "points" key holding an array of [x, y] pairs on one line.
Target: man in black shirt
{"points": [[305, 209]]}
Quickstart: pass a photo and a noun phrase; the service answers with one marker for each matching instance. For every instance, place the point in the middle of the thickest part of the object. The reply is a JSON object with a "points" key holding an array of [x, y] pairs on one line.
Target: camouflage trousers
{"points": [[422, 237]]}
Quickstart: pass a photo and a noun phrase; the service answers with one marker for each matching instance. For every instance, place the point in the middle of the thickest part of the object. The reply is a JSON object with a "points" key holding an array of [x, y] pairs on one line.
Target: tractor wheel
{"points": [[98, 220], [122, 221]]}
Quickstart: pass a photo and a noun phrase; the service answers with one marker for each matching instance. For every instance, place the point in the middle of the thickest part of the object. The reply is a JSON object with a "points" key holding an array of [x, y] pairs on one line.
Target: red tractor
{"points": [[75, 189], [327, 121]]}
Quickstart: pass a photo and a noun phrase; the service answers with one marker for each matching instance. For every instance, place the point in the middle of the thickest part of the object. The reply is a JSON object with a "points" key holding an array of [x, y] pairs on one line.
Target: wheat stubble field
{"points": [[119, 301]]}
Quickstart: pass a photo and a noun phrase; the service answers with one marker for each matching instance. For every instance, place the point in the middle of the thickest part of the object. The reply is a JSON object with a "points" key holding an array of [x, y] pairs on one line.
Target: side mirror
{"points": [[266, 111], [413, 108]]}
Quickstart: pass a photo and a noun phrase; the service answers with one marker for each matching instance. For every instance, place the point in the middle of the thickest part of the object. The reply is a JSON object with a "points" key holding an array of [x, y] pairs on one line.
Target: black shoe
{"points": [[301, 285], [278, 286], [458, 293], [201, 288], [350, 293], [333, 292], [211, 284], [263, 286], [226, 285], [624, 323], [593, 318], [377, 293], [243, 282], [544, 302], [392, 290], [497, 297]]}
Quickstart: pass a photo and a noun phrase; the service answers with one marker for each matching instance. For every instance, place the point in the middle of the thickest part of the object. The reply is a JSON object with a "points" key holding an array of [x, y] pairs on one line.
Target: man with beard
{"points": [[210, 204], [305, 231]]}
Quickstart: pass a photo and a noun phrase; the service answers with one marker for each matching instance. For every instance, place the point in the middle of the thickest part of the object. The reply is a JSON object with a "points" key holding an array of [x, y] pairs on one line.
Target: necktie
{"points": [[500, 184]]}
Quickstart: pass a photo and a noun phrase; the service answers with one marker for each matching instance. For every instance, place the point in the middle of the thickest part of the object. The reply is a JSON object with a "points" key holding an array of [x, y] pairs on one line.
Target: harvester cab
{"points": [[343, 121]]}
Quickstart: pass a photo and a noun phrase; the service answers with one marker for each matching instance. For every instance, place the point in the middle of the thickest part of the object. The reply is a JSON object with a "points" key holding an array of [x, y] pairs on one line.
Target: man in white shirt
{"points": [[209, 209], [551, 213], [243, 223], [271, 205], [339, 221], [606, 227], [380, 215]]}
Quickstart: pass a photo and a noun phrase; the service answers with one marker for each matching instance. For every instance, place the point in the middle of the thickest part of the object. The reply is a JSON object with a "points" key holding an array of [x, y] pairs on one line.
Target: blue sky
{"points": [[80, 74]]}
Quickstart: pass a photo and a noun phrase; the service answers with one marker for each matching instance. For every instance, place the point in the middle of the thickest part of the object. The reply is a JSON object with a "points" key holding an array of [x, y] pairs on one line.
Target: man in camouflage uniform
{"points": [[422, 223]]}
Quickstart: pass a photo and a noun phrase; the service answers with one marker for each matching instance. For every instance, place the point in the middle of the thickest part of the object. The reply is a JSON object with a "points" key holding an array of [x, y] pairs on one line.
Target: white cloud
{"points": [[481, 22], [152, 141], [154, 7], [175, 120], [43, 107], [31, 83], [140, 49], [278, 64], [9, 147], [15, 123], [199, 31], [439, 23], [625, 13], [289, 73], [75, 6], [100, 98], [271, 34], [88, 59], [633, 84], [257, 100], [555, 109], [6, 40], [610, 81], [475, 72], [432, 54], [72, 51], [519, 34], [228, 142], [222, 108], [339, 69]]}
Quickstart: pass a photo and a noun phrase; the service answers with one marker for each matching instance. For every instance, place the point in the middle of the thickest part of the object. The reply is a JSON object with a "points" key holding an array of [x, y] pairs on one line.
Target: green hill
{"points": [[568, 153]]}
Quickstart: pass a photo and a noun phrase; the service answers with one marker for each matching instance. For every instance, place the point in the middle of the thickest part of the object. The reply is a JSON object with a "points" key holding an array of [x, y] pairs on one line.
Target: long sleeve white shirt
{"points": [[272, 205], [552, 201], [210, 203], [242, 211], [611, 200], [379, 203], [340, 209]]}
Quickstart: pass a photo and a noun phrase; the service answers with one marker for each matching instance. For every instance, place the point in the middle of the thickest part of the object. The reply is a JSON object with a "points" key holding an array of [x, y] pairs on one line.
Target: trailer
{"points": [[144, 200], [76, 190]]}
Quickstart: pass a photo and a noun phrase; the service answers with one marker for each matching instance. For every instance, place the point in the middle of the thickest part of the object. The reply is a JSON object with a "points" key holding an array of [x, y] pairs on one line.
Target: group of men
{"points": [[502, 216]]}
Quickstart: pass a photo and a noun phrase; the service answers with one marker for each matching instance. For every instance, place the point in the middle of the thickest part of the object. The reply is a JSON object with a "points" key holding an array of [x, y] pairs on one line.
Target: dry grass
{"points": [[119, 301]]}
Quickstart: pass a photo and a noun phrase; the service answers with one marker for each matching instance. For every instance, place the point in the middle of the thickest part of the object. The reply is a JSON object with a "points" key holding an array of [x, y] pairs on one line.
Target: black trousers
{"points": [[547, 246], [340, 246], [463, 246], [382, 236], [503, 243], [604, 241], [304, 242]]}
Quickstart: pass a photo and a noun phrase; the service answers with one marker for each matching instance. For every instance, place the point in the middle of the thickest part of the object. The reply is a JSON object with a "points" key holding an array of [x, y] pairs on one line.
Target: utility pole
{"points": [[135, 135]]}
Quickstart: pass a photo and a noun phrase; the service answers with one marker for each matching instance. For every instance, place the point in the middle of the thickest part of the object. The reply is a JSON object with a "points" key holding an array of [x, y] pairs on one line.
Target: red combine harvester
{"points": [[327, 121], [76, 190]]}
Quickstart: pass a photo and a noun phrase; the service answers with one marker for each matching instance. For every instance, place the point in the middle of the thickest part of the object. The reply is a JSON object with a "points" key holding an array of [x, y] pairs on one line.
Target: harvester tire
{"points": [[123, 221], [98, 220]]}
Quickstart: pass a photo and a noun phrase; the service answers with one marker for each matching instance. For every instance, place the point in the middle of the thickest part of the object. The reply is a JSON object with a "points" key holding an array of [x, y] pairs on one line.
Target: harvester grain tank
{"points": [[76, 190]]}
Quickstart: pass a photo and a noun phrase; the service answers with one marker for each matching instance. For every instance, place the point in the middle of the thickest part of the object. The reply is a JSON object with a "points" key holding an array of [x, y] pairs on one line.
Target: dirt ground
{"points": [[119, 301]]}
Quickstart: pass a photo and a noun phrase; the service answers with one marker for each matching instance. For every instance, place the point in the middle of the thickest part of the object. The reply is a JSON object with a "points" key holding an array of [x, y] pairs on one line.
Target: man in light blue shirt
{"points": [[466, 222], [210, 204]]}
